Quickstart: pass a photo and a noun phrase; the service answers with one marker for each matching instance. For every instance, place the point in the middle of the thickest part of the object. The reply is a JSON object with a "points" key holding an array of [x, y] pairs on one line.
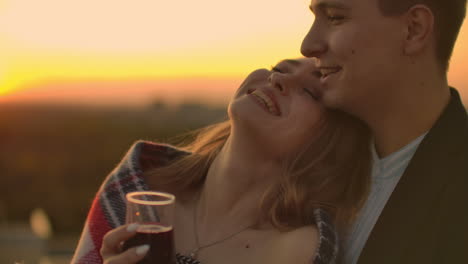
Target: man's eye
{"points": [[335, 18]]}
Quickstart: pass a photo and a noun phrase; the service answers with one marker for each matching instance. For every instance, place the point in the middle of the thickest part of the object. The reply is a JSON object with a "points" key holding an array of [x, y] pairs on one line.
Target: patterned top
{"points": [[181, 259], [108, 208]]}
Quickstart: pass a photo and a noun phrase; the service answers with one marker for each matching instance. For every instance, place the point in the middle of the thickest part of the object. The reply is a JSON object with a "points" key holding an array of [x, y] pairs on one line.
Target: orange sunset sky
{"points": [[132, 52]]}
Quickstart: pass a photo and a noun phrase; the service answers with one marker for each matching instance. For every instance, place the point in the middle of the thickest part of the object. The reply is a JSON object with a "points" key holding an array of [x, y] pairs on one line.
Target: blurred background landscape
{"points": [[54, 158], [80, 81]]}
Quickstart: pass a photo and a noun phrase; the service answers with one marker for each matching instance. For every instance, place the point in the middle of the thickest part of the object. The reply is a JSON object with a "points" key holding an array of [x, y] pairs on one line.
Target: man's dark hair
{"points": [[448, 16]]}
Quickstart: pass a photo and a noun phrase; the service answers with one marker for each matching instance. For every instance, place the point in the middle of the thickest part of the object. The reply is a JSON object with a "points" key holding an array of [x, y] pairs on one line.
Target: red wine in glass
{"points": [[159, 238]]}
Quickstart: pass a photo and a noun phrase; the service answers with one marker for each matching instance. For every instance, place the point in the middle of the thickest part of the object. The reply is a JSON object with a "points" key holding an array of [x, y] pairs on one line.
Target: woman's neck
{"points": [[234, 185]]}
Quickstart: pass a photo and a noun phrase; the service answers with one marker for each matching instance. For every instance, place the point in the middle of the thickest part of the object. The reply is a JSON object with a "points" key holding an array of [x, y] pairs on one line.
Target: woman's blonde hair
{"points": [[332, 171]]}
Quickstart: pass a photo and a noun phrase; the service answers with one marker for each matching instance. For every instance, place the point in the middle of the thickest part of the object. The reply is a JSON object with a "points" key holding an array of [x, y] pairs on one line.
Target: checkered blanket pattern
{"points": [[108, 208]]}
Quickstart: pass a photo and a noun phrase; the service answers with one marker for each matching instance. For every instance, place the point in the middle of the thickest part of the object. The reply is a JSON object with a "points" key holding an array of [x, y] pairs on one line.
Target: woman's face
{"points": [[277, 108]]}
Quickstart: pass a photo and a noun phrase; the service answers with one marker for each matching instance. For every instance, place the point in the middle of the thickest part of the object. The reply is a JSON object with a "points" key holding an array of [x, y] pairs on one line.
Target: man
{"points": [[386, 62]]}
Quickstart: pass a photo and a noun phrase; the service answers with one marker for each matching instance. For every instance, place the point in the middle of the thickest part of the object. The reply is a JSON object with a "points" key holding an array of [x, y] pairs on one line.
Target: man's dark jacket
{"points": [[426, 218]]}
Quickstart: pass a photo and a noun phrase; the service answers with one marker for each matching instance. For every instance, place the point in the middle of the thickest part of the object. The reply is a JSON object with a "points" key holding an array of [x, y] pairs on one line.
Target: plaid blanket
{"points": [[108, 208]]}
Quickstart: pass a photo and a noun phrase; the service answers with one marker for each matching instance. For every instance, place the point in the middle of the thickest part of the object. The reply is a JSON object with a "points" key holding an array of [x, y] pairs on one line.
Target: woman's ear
{"points": [[419, 29]]}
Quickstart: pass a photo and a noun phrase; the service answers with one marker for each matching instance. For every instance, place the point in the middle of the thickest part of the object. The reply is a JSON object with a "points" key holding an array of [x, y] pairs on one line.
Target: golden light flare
{"points": [[59, 41], [208, 62]]}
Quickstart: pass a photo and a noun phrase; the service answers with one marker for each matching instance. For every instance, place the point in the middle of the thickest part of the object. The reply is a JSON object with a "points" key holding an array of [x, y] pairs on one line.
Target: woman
{"points": [[270, 185]]}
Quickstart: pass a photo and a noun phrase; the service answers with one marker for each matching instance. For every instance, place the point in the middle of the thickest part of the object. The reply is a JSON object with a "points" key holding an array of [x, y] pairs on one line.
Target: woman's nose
{"points": [[278, 81]]}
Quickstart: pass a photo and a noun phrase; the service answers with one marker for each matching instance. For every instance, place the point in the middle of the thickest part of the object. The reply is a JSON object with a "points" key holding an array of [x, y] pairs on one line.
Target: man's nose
{"points": [[313, 45]]}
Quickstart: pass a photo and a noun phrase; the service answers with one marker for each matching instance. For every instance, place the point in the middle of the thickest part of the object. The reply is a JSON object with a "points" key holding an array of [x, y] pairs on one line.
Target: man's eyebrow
{"points": [[323, 5]]}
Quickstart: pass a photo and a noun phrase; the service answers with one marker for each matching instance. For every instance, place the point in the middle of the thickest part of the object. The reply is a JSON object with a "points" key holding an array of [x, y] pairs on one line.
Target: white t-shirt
{"points": [[386, 173]]}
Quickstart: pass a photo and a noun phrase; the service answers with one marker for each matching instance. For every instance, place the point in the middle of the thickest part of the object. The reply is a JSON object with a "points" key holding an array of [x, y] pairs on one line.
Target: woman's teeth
{"points": [[266, 100]]}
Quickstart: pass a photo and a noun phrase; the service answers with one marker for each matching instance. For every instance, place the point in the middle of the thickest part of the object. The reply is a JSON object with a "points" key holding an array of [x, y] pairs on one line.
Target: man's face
{"points": [[358, 51]]}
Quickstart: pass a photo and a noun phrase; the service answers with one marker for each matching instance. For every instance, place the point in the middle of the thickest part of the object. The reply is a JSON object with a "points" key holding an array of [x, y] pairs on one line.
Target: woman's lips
{"points": [[266, 100]]}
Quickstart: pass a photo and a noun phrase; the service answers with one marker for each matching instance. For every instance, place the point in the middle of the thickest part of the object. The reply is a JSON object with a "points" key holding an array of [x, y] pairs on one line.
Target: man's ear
{"points": [[419, 29]]}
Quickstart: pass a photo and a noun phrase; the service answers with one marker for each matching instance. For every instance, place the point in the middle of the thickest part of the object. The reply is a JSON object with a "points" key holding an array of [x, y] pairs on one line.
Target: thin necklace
{"points": [[193, 254]]}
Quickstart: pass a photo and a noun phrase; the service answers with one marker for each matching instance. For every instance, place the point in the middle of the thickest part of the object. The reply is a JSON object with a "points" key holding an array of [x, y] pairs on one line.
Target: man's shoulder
{"points": [[449, 135]]}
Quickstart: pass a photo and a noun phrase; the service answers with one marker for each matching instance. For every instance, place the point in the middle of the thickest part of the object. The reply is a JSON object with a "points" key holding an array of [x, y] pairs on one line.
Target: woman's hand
{"points": [[111, 250]]}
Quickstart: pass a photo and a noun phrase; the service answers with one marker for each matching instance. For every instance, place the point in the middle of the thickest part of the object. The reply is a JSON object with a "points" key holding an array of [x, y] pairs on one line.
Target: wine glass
{"points": [[154, 214]]}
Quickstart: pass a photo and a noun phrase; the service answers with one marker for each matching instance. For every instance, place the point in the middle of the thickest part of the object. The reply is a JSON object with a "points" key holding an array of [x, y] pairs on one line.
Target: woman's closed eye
{"points": [[316, 74], [276, 69], [310, 93]]}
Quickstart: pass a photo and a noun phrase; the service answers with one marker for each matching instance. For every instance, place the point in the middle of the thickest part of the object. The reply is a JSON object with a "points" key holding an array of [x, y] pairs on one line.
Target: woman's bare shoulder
{"points": [[297, 246]]}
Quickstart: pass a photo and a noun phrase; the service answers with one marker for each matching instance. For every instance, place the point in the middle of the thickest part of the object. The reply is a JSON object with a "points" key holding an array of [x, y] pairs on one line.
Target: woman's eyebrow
{"points": [[291, 62]]}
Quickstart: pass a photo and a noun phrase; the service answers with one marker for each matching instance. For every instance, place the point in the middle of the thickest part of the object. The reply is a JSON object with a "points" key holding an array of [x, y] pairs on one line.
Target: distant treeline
{"points": [[56, 157]]}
